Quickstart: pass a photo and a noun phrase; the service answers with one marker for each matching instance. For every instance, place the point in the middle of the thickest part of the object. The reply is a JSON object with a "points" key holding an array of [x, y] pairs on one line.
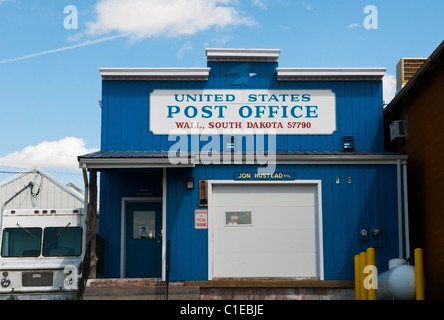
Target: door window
{"points": [[144, 225]]}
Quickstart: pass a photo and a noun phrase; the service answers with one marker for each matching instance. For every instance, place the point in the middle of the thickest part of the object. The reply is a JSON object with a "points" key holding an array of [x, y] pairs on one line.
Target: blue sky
{"points": [[50, 53]]}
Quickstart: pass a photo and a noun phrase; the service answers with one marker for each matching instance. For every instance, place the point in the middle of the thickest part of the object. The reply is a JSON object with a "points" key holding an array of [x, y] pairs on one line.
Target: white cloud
{"points": [[284, 27], [389, 88], [148, 18], [259, 3], [218, 41], [61, 154], [306, 4], [353, 26], [75, 37], [188, 46]]}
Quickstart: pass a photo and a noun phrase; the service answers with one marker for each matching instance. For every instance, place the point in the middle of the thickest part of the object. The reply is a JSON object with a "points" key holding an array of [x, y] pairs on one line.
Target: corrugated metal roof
{"points": [[166, 154], [126, 154]]}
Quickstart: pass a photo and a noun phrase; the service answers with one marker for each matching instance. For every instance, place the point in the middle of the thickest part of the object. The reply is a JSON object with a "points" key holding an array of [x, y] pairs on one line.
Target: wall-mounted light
{"points": [[190, 183]]}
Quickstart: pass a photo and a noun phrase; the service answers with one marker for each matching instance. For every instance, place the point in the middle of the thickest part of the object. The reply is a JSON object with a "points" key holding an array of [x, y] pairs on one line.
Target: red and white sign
{"points": [[209, 112], [201, 219]]}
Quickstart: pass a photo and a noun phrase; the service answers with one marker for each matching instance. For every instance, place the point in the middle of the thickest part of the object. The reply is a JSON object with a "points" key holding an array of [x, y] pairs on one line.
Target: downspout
{"points": [[165, 243], [406, 212], [85, 179], [399, 186], [85, 205]]}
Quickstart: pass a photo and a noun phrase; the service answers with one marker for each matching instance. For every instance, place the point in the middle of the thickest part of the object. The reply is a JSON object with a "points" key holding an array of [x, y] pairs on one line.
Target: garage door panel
{"points": [[281, 240], [266, 216], [284, 225], [285, 242], [265, 265], [297, 195]]}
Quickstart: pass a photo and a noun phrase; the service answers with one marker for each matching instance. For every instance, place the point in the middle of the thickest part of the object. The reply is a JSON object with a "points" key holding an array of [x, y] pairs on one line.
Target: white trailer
{"points": [[42, 253]]}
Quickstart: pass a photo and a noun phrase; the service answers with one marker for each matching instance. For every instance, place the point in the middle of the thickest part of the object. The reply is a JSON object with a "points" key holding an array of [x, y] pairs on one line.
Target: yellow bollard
{"points": [[357, 279], [419, 274], [362, 275], [371, 261]]}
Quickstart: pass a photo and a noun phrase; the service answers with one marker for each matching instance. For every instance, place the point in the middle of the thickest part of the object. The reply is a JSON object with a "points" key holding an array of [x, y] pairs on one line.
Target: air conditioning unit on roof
{"points": [[406, 69], [398, 130]]}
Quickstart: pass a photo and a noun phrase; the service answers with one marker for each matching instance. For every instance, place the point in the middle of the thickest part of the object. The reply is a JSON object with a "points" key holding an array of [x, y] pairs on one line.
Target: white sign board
{"points": [[201, 219], [290, 112]]}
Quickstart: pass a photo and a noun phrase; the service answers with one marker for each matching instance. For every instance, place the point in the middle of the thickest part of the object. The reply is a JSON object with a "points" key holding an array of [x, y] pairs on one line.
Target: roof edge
{"points": [[292, 74], [197, 74], [231, 54], [54, 180]]}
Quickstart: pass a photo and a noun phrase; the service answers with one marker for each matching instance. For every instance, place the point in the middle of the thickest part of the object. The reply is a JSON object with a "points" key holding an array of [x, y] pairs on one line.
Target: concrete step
{"points": [[134, 289]]}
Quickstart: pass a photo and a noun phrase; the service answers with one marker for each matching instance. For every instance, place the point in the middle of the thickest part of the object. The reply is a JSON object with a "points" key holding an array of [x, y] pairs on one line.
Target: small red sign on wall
{"points": [[201, 219]]}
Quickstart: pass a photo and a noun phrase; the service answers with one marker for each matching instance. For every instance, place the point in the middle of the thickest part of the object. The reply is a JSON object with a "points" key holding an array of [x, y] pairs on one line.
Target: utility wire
{"points": [[58, 172]]}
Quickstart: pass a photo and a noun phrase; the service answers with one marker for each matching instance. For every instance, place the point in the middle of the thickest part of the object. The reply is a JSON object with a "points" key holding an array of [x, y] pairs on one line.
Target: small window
{"points": [[238, 218], [144, 225]]}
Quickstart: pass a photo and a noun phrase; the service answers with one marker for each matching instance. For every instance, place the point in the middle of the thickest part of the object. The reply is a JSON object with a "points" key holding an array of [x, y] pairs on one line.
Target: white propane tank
{"points": [[397, 283]]}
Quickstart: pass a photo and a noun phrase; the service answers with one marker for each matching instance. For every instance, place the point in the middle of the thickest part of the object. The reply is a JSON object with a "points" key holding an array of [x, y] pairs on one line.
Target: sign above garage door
{"points": [[264, 176]]}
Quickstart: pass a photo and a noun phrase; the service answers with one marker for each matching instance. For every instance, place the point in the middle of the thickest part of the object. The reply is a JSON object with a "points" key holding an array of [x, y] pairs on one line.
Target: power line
{"points": [[58, 172]]}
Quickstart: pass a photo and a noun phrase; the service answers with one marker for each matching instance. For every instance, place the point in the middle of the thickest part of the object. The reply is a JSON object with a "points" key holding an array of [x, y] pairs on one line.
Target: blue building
{"points": [[244, 169]]}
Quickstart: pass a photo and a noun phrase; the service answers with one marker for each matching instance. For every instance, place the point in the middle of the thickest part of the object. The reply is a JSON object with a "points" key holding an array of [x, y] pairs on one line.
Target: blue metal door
{"points": [[144, 240]]}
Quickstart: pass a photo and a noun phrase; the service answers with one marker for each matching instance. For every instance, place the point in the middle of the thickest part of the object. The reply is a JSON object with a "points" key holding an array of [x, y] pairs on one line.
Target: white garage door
{"points": [[264, 230]]}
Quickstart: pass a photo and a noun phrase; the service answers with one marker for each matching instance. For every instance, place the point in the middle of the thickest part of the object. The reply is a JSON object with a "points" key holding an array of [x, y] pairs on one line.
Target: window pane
{"points": [[144, 224], [21, 242], [61, 241], [238, 218]]}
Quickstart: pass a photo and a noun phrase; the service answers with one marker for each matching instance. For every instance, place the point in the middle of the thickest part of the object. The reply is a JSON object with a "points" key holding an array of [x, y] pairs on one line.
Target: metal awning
{"points": [[136, 159], [165, 159]]}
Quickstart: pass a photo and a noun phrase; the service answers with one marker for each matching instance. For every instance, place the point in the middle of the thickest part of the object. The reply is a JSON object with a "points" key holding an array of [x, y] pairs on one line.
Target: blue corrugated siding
{"points": [[125, 116], [114, 185], [368, 201]]}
